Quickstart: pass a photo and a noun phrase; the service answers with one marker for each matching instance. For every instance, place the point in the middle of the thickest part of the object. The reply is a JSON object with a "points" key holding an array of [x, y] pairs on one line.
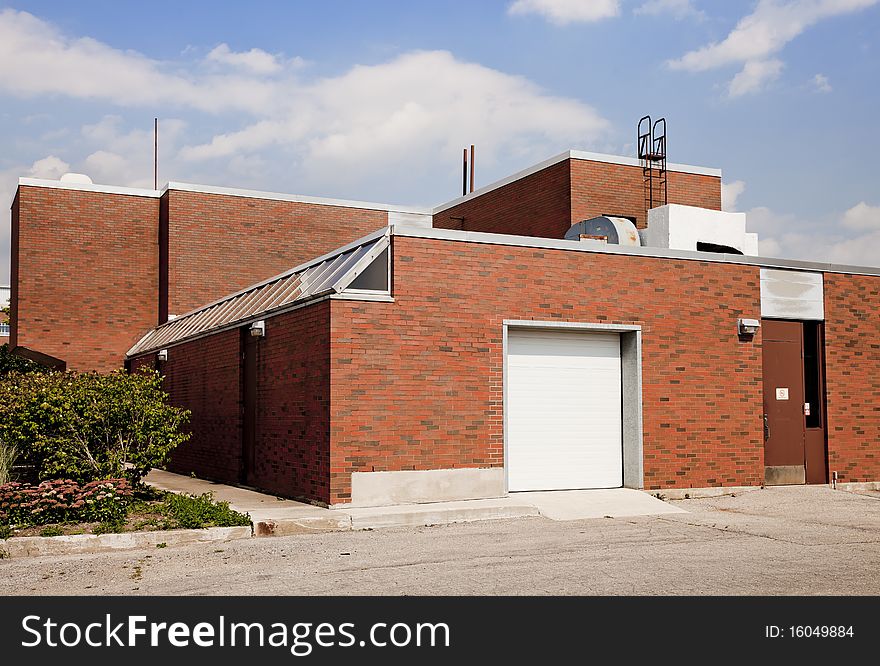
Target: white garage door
{"points": [[563, 410]]}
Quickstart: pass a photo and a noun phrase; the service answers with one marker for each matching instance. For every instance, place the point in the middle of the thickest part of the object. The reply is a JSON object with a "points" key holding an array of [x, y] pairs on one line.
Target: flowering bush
{"points": [[63, 501], [88, 426]]}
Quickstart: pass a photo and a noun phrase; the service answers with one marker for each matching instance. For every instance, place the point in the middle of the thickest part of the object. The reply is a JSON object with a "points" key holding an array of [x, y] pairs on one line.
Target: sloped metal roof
{"points": [[328, 274]]}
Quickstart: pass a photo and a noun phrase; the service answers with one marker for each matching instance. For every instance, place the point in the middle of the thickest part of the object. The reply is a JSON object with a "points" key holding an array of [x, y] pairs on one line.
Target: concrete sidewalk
{"points": [[274, 516]]}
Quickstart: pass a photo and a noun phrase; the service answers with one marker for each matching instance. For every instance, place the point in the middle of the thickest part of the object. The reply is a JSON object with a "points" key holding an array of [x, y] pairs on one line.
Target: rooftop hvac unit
{"points": [[608, 228]]}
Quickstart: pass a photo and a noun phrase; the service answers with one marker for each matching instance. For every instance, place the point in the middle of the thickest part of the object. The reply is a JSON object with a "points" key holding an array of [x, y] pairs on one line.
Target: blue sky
{"points": [[375, 100]]}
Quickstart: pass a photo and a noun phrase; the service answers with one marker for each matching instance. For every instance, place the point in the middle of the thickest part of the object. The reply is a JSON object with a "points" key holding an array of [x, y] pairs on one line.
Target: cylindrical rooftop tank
{"points": [[614, 230]]}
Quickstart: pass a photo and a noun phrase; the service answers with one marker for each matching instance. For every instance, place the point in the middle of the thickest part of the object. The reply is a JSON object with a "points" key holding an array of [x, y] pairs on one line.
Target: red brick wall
{"points": [[417, 384], [203, 376], [85, 274], [219, 244], [598, 188], [537, 205], [293, 404], [852, 363], [292, 456], [546, 203]]}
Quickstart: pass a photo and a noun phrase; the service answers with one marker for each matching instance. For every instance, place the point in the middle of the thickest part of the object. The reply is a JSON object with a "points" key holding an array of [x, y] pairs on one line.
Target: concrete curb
{"points": [[304, 525], [425, 515], [78, 544], [854, 486], [701, 493]]}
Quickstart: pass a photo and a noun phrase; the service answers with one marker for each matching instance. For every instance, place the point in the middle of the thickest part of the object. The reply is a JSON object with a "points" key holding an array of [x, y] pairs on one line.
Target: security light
{"points": [[258, 329], [748, 327], [162, 355]]}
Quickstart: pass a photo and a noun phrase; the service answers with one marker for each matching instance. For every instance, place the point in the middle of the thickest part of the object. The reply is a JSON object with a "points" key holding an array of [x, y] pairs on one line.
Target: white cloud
{"points": [[125, 157], [563, 12], [37, 59], [848, 238], [51, 167], [388, 131], [863, 217], [762, 34], [392, 112], [822, 84], [730, 192], [755, 75], [257, 61], [678, 9]]}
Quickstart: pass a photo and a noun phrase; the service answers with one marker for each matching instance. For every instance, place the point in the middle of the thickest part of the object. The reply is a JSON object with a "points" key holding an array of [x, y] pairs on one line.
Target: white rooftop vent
{"points": [[77, 178], [680, 227]]}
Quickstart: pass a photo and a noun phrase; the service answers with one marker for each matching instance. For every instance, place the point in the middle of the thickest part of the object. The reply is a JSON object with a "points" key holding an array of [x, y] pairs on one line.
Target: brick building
{"points": [[473, 349]]}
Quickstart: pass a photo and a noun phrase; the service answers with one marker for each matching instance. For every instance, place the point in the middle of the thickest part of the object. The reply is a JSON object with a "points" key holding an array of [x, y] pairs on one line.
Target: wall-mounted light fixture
{"points": [[747, 327], [258, 329], [162, 355]]}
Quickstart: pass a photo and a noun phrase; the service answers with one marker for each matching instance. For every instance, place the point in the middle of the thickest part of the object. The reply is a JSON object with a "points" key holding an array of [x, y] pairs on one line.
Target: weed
{"points": [[5, 532], [162, 545], [198, 511], [108, 527], [8, 454], [51, 530]]}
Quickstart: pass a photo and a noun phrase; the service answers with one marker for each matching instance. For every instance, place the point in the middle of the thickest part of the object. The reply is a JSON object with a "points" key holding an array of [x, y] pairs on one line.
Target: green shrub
{"points": [[5, 532], [90, 426], [197, 511], [9, 362], [62, 501]]}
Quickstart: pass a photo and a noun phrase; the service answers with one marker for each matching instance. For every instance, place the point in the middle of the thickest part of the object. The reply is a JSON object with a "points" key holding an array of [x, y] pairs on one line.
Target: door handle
{"points": [[766, 428]]}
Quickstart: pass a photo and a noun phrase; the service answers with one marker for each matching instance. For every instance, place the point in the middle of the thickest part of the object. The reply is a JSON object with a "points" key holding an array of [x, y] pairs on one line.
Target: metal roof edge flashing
{"points": [[89, 187], [294, 198], [604, 248]]}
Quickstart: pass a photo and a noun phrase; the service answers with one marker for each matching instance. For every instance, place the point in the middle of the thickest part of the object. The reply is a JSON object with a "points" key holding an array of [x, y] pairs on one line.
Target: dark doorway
{"points": [[815, 450], [249, 405], [794, 403]]}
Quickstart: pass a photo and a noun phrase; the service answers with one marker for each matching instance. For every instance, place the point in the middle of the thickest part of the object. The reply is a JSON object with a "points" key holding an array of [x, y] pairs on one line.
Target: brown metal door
{"points": [[249, 406], [784, 426]]}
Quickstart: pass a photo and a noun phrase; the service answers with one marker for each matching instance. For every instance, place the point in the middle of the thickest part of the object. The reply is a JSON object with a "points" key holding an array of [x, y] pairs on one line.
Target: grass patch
{"points": [[198, 511], [108, 527], [51, 530]]}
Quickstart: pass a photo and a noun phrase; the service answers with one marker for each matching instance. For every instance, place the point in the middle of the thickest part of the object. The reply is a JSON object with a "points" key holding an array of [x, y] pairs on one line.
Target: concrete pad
{"points": [[261, 506], [273, 516], [606, 503], [438, 513]]}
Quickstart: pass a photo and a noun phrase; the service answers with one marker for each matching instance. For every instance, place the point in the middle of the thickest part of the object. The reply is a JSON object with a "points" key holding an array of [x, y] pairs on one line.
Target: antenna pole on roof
{"points": [[155, 153], [464, 173], [472, 167]]}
